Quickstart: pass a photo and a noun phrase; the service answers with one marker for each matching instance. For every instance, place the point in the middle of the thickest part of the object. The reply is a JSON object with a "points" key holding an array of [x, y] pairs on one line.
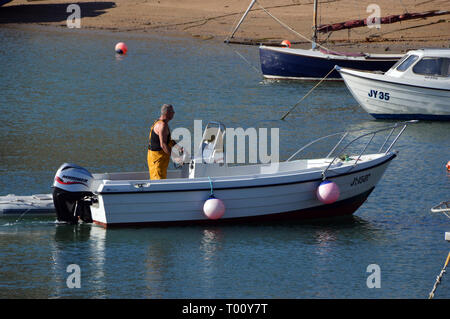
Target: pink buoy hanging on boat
{"points": [[213, 208], [327, 192]]}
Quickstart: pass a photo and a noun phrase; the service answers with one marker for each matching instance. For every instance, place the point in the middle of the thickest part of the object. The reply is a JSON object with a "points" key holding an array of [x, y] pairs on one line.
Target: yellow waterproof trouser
{"points": [[158, 162]]}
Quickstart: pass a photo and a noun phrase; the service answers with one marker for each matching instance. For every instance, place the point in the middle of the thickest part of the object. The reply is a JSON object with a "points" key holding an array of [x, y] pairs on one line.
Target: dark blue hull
{"points": [[288, 65], [2, 2]]}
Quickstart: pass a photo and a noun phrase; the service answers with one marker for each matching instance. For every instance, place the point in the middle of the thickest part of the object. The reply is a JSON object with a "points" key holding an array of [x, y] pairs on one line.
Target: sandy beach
{"points": [[214, 20]]}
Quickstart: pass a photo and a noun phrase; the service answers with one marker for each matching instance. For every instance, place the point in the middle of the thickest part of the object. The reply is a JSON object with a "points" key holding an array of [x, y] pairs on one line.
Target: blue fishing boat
{"points": [[287, 63], [315, 63]]}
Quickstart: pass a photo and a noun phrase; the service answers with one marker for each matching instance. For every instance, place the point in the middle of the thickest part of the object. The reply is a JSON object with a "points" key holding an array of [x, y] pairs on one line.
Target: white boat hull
{"points": [[253, 197], [384, 99]]}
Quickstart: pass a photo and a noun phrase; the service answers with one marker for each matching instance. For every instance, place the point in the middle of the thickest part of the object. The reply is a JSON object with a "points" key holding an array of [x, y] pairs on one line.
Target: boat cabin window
{"points": [[433, 66], [400, 61], [403, 66]]}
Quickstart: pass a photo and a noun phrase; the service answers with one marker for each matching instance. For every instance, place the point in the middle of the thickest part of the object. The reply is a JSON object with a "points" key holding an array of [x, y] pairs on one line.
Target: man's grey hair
{"points": [[166, 108]]}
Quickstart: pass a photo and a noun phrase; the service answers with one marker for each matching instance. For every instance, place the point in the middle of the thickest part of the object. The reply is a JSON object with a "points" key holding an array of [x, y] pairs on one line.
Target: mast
{"points": [[314, 37], [242, 19]]}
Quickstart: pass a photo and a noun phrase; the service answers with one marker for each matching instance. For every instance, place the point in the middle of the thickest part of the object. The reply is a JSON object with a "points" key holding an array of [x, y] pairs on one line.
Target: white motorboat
{"points": [[286, 190], [417, 87]]}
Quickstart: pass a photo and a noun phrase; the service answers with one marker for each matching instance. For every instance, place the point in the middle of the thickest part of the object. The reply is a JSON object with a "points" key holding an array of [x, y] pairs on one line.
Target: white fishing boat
{"points": [[417, 87], [208, 190]]}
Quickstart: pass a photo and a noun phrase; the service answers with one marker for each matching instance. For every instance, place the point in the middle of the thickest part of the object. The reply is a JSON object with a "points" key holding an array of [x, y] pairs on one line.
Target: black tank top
{"points": [[154, 144]]}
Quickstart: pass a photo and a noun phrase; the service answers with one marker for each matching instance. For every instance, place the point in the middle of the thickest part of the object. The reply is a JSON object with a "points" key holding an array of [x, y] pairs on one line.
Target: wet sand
{"points": [[214, 20]]}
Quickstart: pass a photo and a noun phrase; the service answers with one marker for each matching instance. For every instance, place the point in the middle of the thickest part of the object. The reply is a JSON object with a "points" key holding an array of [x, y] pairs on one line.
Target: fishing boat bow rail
{"points": [[338, 150]]}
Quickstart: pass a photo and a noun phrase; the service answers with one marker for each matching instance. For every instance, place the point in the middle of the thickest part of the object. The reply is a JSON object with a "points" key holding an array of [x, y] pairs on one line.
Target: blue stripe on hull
{"points": [[291, 65], [424, 117]]}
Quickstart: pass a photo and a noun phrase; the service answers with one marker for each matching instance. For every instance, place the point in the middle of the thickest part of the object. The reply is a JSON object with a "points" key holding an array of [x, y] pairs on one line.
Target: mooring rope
{"points": [[20, 217], [246, 61], [309, 92], [211, 186], [227, 42], [438, 279]]}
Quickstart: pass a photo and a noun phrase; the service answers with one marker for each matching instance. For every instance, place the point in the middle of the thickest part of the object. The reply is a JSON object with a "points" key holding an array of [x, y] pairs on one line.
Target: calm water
{"points": [[67, 98]]}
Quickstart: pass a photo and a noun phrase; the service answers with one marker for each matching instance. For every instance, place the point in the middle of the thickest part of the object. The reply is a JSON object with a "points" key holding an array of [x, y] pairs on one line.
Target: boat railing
{"points": [[340, 148], [442, 207]]}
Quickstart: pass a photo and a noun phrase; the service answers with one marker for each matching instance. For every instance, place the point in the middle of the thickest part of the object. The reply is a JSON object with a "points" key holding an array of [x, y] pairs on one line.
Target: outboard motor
{"points": [[71, 193]]}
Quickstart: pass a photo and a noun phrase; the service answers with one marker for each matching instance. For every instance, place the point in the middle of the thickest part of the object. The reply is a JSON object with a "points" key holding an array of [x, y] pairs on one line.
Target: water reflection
{"points": [[211, 267], [97, 258], [156, 261], [325, 238], [64, 250], [211, 243], [120, 57], [69, 234]]}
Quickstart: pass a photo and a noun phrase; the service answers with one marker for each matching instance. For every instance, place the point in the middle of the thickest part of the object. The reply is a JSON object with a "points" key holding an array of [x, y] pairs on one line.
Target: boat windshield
{"points": [[433, 66], [404, 64]]}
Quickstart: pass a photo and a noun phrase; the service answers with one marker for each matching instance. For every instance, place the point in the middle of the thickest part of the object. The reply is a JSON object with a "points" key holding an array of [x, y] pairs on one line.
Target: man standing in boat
{"points": [[160, 144]]}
